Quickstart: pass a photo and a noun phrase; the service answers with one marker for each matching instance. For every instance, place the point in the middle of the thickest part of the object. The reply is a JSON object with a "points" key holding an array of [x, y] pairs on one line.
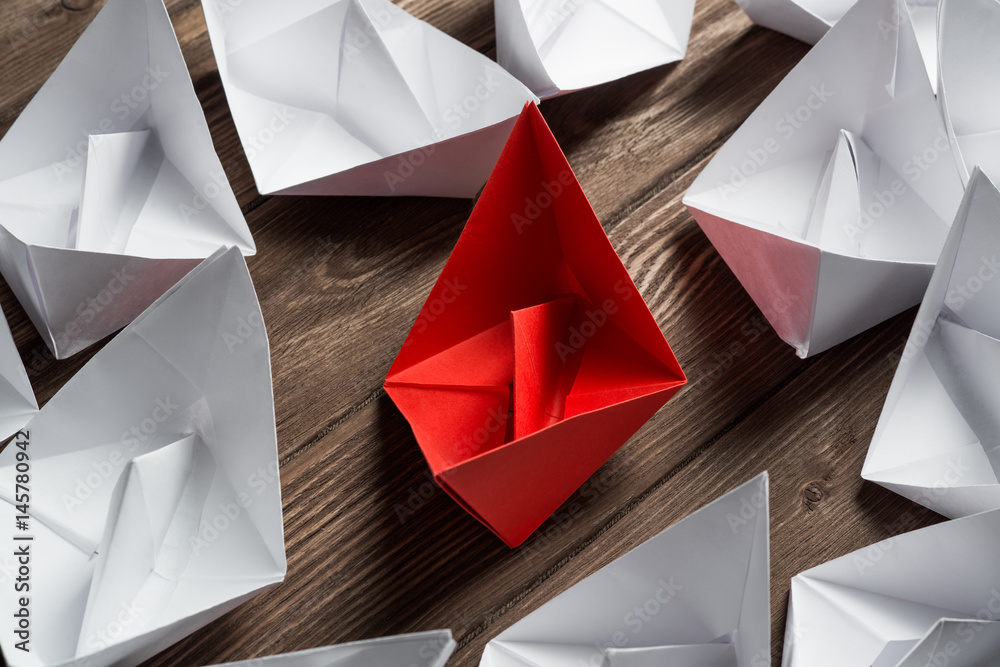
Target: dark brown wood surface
{"points": [[373, 548]]}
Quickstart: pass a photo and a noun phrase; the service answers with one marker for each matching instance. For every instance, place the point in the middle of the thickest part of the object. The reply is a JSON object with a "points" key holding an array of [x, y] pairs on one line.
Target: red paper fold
{"points": [[534, 357]]}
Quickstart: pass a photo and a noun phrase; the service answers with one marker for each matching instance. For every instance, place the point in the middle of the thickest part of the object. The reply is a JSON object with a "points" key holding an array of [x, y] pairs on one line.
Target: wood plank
{"points": [[373, 547]]}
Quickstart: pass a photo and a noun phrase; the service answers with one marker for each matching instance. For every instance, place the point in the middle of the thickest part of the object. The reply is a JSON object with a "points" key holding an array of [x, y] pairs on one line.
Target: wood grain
{"points": [[373, 547]]}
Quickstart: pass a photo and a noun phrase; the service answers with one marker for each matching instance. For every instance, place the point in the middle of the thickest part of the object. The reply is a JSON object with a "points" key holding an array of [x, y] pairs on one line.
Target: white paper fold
{"points": [[17, 399], [832, 201], [899, 602], [938, 438], [155, 502], [110, 188], [158, 504], [969, 82], [420, 649], [809, 20], [557, 46], [357, 97], [695, 595]]}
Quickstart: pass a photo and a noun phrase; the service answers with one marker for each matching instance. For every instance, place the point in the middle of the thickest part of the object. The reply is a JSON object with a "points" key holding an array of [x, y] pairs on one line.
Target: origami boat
{"points": [[534, 357]]}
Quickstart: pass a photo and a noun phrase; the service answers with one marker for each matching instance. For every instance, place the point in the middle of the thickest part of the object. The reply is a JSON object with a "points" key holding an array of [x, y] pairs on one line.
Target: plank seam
{"points": [[255, 203], [332, 425]]}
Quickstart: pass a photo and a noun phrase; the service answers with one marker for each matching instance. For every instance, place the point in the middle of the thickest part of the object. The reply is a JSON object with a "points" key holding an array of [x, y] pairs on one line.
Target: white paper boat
{"points": [[938, 439], [110, 188], [154, 504], [832, 201], [696, 595], [557, 46], [873, 606], [357, 97]]}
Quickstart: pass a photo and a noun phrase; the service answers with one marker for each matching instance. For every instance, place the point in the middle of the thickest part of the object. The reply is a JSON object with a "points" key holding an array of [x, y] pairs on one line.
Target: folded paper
{"points": [[17, 399], [696, 595], [154, 504], [420, 649], [110, 188], [534, 357], [557, 46], [938, 439], [969, 83], [903, 602], [832, 202], [357, 97], [810, 20], [951, 641]]}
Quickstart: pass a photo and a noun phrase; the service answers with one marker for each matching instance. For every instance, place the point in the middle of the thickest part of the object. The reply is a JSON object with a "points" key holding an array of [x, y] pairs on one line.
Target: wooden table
{"points": [[373, 547]]}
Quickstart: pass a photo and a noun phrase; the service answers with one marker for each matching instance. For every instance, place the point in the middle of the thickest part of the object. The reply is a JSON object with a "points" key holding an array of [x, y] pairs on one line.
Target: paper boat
{"points": [[110, 188], [557, 46], [832, 201], [357, 97], [153, 504]]}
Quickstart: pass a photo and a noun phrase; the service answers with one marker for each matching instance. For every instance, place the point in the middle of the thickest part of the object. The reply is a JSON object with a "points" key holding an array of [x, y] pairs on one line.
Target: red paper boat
{"points": [[534, 358]]}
